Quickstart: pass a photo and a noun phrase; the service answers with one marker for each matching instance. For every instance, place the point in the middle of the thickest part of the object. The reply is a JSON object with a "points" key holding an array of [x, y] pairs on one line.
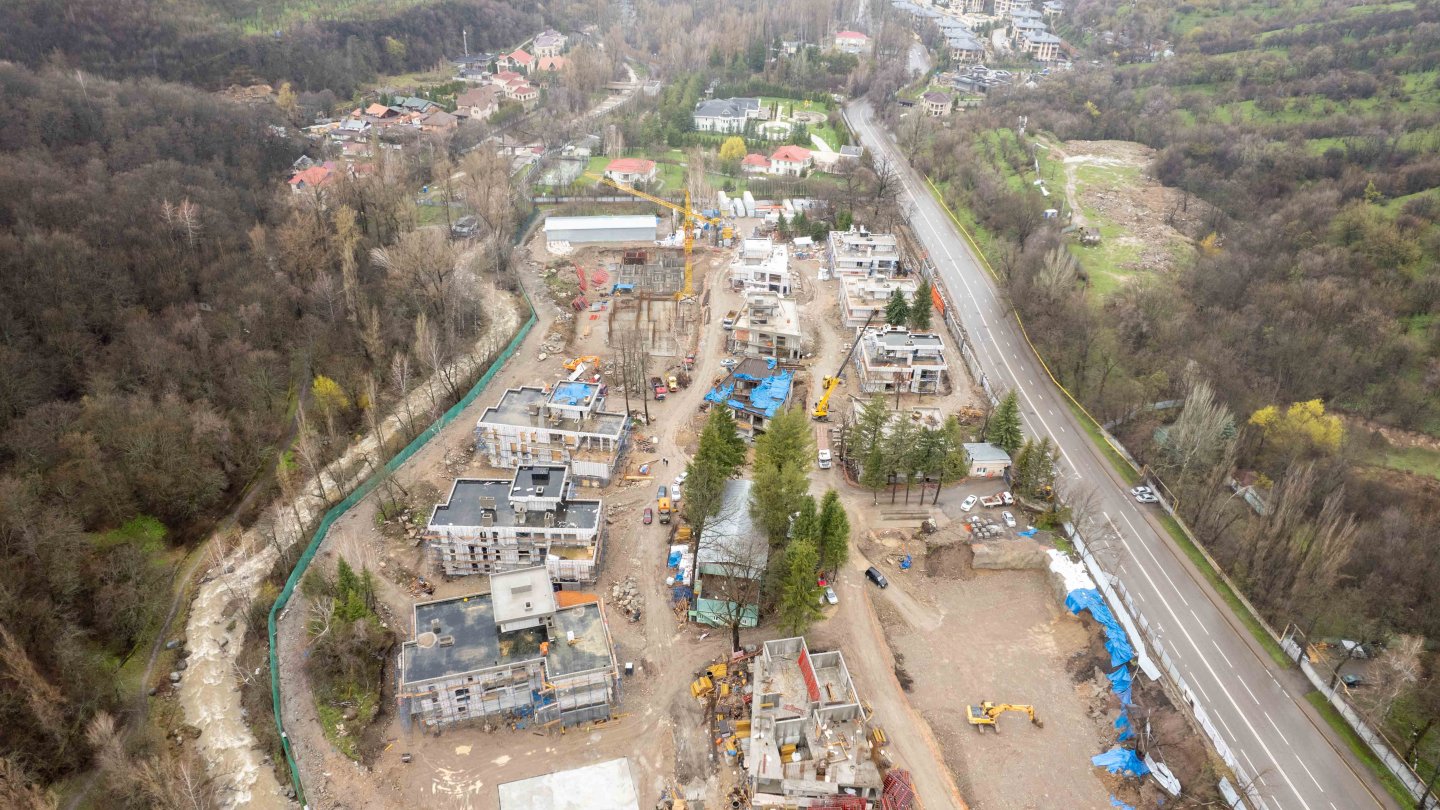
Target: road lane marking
{"points": [[1223, 655], [1146, 546], [1252, 694], [1202, 624], [1311, 775], [1203, 694]]}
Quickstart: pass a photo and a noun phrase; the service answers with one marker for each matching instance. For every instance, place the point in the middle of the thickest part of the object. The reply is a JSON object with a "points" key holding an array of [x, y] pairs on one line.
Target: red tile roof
{"points": [[792, 154], [315, 175], [755, 160], [850, 35], [553, 62], [505, 76], [522, 57], [631, 166]]}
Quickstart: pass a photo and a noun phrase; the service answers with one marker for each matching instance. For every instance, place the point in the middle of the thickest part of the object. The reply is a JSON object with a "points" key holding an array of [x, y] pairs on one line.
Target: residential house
{"points": [[517, 60], [1043, 46], [986, 460], [790, 160], [768, 326], [631, 171], [527, 94], [730, 559], [755, 390], [892, 358], [565, 424], [504, 78], [439, 121], [965, 48], [551, 64], [863, 298], [478, 102], [380, 113], [858, 252], [762, 266], [1053, 9], [936, 104], [755, 164], [492, 525], [852, 42], [519, 651], [1001, 8], [726, 114], [1021, 30], [352, 129], [317, 176], [548, 43], [970, 6], [809, 741], [1025, 12], [413, 104]]}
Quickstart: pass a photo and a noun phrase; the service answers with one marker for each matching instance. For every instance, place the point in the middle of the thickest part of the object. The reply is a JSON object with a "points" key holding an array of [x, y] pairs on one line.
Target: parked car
{"points": [[873, 574], [830, 597], [1352, 680], [728, 362], [675, 493], [680, 479], [649, 516], [664, 492], [1147, 497], [1138, 491], [1007, 498], [969, 503], [1008, 518]]}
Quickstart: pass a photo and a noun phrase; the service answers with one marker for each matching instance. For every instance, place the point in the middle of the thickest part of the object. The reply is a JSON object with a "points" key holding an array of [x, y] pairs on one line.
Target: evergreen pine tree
{"points": [[920, 307], [834, 539], [1004, 430], [799, 592], [897, 311]]}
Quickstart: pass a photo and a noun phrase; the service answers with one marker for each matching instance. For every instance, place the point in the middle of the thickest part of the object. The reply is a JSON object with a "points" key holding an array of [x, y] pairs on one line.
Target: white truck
{"points": [[822, 447]]}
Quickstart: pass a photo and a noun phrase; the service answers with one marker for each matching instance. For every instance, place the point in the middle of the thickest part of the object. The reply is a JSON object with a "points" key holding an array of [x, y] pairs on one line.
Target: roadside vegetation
{"points": [[348, 649]]}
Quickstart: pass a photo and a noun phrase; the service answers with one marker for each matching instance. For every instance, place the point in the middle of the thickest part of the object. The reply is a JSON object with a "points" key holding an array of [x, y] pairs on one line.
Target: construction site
{"points": [[560, 656]]}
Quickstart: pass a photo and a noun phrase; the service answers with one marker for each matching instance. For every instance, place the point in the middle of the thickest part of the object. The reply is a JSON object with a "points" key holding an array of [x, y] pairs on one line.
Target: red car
{"points": [[649, 516]]}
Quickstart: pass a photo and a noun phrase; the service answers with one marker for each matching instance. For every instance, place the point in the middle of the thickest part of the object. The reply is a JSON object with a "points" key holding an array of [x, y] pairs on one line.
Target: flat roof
{"points": [[539, 481], [985, 451], [574, 392], [601, 222], [602, 786], [514, 409], [524, 593], [465, 508], [898, 338], [479, 644]]}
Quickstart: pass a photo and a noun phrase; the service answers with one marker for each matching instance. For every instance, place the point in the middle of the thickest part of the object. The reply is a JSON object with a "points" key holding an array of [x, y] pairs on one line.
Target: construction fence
{"points": [[351, 500]]}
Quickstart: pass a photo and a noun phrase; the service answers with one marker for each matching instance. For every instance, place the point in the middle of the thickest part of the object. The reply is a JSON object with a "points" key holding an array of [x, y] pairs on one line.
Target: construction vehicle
{"points": [[822, 408], [689, 217], [657, 386], [589, 359], [663, 507], [988, 714]]}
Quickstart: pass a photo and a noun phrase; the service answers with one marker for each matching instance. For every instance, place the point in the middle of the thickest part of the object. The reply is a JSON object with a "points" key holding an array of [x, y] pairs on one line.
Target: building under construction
{"points": [[654, 271], [522, 654]]}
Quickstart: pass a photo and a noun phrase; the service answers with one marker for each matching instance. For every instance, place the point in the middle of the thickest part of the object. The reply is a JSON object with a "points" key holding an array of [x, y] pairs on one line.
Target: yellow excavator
{"points": [[829, 384], [988, 714], [589, 359]]}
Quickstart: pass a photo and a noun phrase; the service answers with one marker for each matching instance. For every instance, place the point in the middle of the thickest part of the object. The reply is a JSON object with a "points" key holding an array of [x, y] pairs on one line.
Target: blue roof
{"points": [[768, 395]]}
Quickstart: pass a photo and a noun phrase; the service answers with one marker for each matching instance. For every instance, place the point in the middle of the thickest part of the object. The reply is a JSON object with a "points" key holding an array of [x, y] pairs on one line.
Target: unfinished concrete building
{"points": [[762, 266], [521, 653], [653, 271], [562, 425], [493, 525], [809, 741], [892, 358], [864, 296], [769, 326], [857, 252]]}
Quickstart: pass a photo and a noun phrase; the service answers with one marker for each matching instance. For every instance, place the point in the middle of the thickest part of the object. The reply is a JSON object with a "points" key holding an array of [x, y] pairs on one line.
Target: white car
{"points": [[1008, 518], [1147, 497], [1138, 491], [680, 479], [675, 494], [728, 362], [969, 503], [830, 596], [1007, 498]]}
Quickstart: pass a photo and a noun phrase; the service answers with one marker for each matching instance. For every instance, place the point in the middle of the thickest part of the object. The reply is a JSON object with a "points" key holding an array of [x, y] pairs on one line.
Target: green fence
{"points": [[355, 497]]}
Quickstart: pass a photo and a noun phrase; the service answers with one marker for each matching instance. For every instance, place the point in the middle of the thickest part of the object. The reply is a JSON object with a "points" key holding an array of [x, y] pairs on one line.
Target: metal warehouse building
{"points": [[644, 228]]}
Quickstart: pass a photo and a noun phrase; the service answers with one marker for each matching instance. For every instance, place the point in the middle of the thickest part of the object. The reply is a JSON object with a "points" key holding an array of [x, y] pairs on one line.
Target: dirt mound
{"points": [[1010, 555], [952, 561]]}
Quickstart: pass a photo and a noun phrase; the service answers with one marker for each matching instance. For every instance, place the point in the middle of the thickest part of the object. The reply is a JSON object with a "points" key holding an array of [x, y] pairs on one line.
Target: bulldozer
{"points": [[988, 714]]}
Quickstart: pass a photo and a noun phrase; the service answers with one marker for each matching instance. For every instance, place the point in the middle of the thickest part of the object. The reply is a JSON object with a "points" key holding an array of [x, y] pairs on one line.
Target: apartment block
{"points": [[864, 296], [769, 326], [560, 425], [520, 653], [809, 740], [857, 252], [762, 266], [491, 526], [892, 358]]}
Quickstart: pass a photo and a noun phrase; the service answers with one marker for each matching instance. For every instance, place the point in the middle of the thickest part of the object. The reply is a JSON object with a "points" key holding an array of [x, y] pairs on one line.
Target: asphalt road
{"points": [[1254, 702]]}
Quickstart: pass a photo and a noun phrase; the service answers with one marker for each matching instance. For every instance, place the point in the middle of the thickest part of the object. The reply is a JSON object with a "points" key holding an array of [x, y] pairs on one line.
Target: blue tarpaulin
{"points": [[1120, 682], [1114, 802], [768, 395], [1123, 723], [674, 559], [1030, 532], [1120, 760], [1116, 642]]}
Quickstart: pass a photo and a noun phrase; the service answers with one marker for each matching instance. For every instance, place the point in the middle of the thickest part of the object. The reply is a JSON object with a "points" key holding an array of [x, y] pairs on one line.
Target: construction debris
{"points": [[627, 598]]}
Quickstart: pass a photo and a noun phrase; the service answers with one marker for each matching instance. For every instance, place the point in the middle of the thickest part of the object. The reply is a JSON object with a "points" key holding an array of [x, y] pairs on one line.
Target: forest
{"points": [[173, 317], [197, 43], [1307, 320]]}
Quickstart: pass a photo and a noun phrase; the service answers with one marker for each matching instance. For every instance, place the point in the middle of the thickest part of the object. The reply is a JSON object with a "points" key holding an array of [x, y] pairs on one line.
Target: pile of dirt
{"points": [[1010, 555], [952, 560]]}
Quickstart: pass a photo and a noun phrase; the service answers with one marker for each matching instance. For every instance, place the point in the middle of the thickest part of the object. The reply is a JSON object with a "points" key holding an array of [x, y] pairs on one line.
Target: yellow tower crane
{"points": [[690, 215]]}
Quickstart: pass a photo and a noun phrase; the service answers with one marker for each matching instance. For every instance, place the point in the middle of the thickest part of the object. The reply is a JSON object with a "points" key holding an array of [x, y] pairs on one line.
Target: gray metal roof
{"points": [[732, 544], [727, 107], [985, 451], [600, 222], [465, 508]]}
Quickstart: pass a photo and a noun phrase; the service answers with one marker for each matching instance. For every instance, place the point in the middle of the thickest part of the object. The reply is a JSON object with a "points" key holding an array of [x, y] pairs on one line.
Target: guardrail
{"points": [[345, 505]]}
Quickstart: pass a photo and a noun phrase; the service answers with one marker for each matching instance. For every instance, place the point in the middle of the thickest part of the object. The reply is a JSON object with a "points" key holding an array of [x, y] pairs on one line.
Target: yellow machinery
{"points": [[988, 714], [592, 360], [828, 386], [690, 217]]}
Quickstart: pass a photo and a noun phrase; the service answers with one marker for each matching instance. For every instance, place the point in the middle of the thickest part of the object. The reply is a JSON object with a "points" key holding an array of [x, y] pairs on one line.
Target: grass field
{"points": [[1418, 460]]}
